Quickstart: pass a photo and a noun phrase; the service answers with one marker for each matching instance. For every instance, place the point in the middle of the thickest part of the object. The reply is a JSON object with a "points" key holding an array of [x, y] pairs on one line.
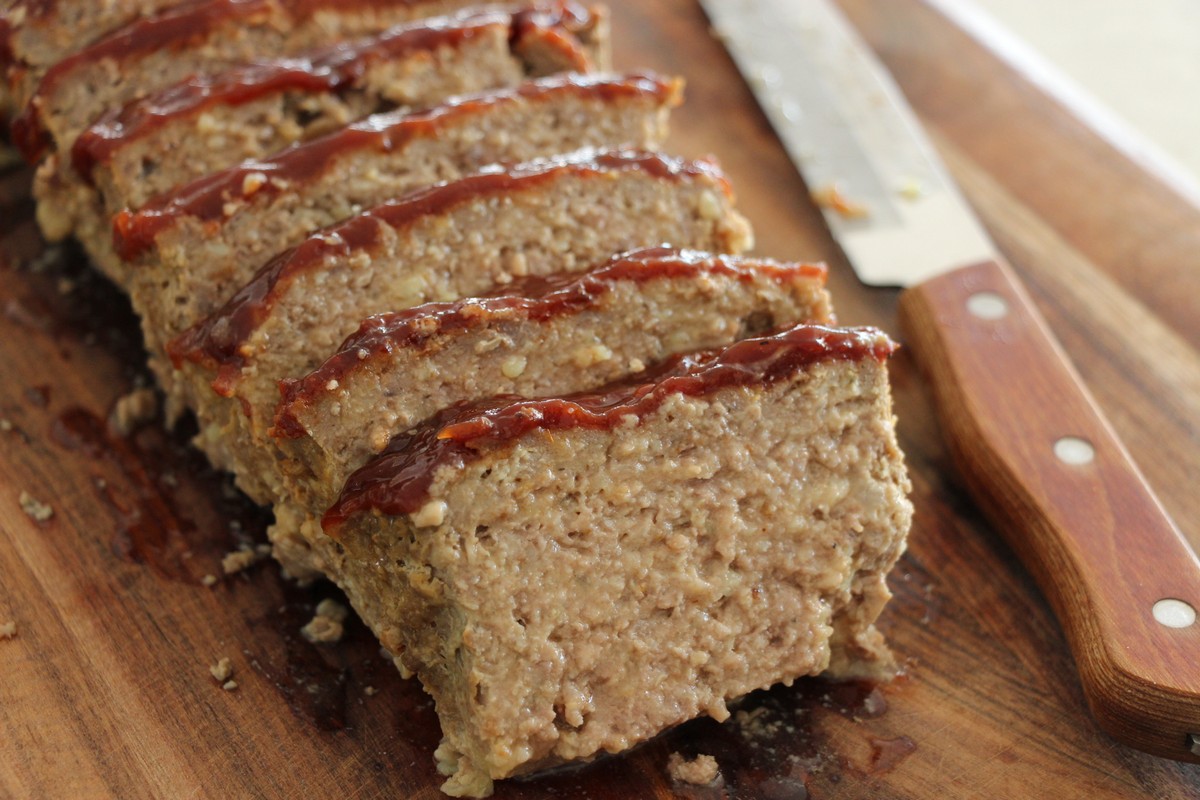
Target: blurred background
{"points": [[1131, 66]]}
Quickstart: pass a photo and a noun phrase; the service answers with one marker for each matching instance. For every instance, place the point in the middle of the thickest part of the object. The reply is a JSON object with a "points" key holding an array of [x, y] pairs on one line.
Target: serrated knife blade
{"points": [[1029, 441]]}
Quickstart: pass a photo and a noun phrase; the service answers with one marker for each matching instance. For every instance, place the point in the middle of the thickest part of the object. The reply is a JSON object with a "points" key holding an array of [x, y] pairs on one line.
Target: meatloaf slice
{"points": [[442, 243], [211, 122], [252, 111], [535, 337], [35, 34], [571, 576], [38, 33], [206, 238], [186, 39]]}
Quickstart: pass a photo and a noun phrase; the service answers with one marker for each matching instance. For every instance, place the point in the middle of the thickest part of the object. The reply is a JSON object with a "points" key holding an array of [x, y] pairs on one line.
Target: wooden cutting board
{"points": [[105, 690]]}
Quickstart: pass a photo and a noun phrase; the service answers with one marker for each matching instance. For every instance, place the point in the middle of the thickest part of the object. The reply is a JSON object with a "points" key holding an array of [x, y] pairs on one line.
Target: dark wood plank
{"points": [[107, 692]]}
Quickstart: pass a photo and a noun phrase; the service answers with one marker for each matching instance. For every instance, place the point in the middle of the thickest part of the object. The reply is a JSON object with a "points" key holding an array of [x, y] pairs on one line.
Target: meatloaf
{"points": [[442, 243], [536, 337], [213, 121], [189, 38], [251, 111], [35, 34], [208, 237], [570, 576]]}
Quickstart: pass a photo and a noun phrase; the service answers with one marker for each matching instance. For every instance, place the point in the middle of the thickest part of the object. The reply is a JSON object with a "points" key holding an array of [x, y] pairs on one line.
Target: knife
{"points": [[1032, 447]]}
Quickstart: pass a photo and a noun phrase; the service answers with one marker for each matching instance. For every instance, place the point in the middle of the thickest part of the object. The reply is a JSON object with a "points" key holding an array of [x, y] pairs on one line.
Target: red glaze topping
{"points": [[177, 27], [206, 198], [217, 341], [397, 481], [536, 298], [329, 70], [533, 24]]}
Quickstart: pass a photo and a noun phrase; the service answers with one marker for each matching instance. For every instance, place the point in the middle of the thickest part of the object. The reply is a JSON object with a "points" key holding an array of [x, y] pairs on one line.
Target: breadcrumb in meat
{"points": [[8, 630]]}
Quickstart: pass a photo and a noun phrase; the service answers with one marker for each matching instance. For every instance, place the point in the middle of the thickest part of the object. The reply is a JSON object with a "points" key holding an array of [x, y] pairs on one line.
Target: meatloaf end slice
{"points": [[536, 337], [198, 245], [210, 122], [572, 576], [441, 243]]}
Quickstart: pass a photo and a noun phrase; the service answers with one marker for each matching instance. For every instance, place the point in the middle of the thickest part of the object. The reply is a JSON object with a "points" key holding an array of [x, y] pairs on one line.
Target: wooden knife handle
{"points": [[1048, 470]]}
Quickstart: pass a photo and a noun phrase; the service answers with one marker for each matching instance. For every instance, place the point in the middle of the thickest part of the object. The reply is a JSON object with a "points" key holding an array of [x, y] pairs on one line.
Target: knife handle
{"points": [[1049, 472]]}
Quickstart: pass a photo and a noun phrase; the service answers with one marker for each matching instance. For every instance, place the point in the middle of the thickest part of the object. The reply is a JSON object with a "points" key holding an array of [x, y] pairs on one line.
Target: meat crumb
{"points": [[328, 624], [698, 771], [222, 671], [242, 559], [133, 410], [34, 508], [8, 630]]}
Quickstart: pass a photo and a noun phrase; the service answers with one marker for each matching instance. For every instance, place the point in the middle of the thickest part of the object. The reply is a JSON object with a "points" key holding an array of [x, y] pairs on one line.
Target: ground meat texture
{"points": [[56, 103], [578, 333], [626, 325], [448, 242], [412, 66], [153, 53], [587, 587], [210, 122], [35, 34], [199, 254]]}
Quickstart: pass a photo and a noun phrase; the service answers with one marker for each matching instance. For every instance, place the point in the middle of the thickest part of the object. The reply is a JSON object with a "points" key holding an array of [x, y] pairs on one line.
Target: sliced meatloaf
{"points": [[193, 248], [251, 111], [211, 122], [535, 337], [571, 576], [443, 243], [189, 38], [35, 34]]}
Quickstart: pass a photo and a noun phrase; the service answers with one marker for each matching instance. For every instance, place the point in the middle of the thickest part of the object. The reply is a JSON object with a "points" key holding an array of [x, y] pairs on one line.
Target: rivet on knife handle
{"points": [[1045, 465]]}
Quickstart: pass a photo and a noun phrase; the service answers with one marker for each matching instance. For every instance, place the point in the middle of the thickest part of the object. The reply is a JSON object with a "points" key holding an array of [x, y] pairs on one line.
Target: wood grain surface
{"points": [[106, 689]]}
